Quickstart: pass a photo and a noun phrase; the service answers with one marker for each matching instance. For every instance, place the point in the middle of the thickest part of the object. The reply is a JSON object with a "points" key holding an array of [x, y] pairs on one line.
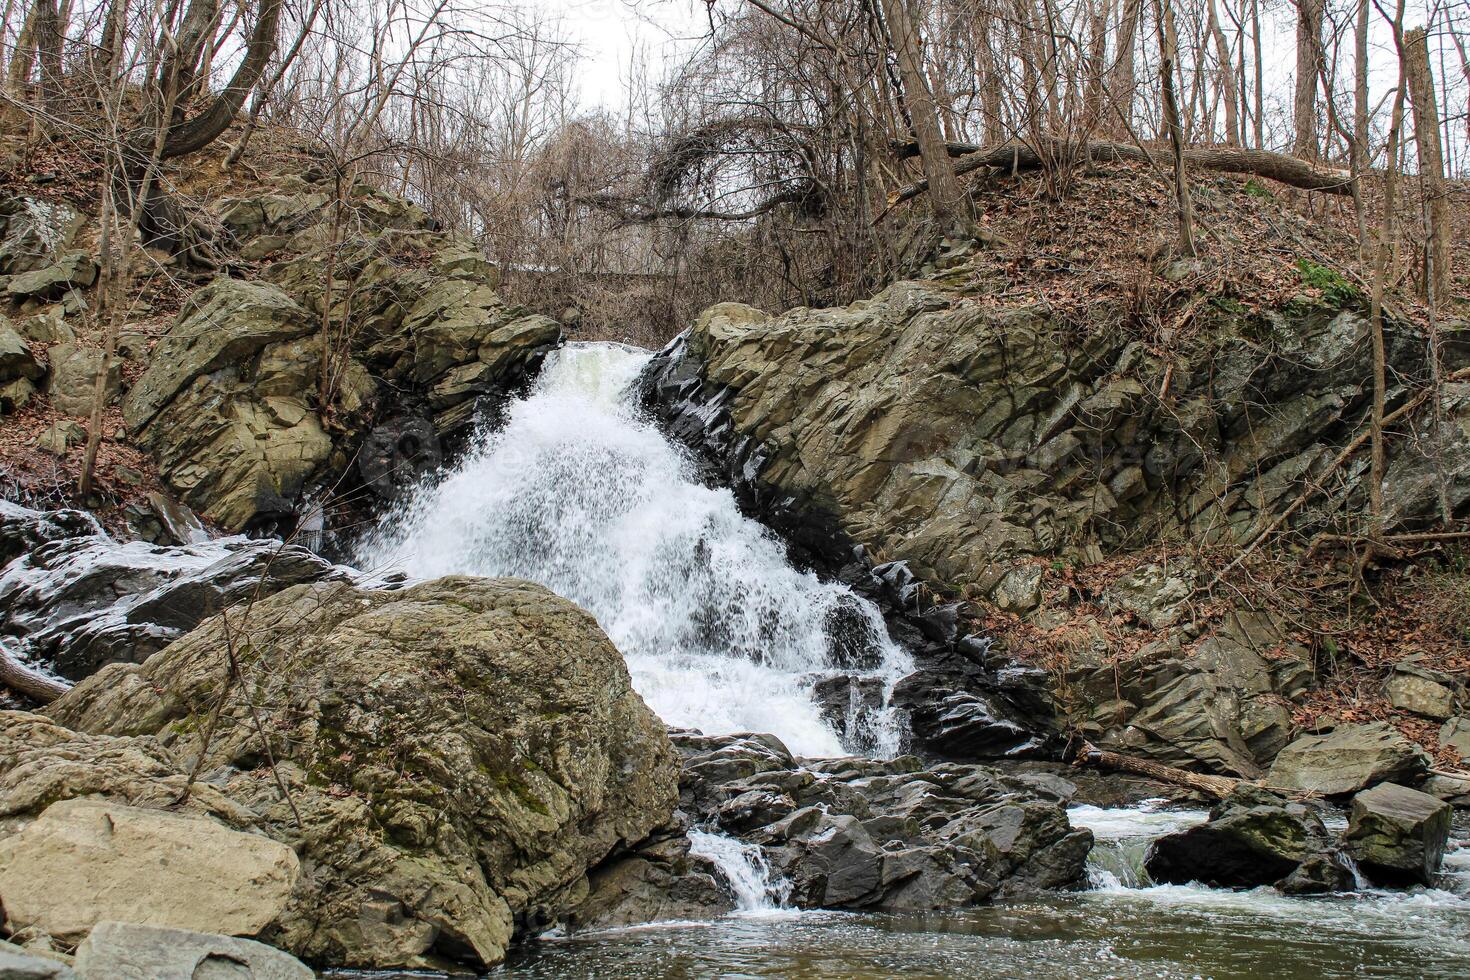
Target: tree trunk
{"points": [[1218, 787], [951, 206], [1226, 75], [198, 132], [1096, 68], [31, 683], [1168, 56], [1121, 85], [1361, 109], [1308, 65], [1431, 165]]}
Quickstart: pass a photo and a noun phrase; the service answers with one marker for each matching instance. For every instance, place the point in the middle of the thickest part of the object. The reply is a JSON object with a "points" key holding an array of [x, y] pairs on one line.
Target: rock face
{"points": [[77, 600], [17, 964], [1253, 837], [1397, 835], [1348, 759], [662, 881], [974, 443], [128, 951], [234, 405], [458, 755], [82, 862], [859, 833]]}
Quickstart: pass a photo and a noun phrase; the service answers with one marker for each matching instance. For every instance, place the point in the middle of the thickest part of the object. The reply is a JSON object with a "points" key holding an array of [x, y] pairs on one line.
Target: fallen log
{"points": [[1216, 786], [1018, 155], [28, 681]]}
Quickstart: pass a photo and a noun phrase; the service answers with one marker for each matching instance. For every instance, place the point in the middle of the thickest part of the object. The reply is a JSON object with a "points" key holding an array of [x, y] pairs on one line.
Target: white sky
{"points": [[610, 32]]}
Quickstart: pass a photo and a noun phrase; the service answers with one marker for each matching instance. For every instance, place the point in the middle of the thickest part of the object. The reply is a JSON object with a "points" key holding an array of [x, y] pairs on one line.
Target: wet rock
{"points": [[81, 862], [848, 702], [1320, 874], [17, 964], [80, 600], [398, 455], [1397, 835], [1253, 837], [133, 951], [1347, 760], [424, 832], [951, 718], [859, 833], [662, 882], [23, 529]]}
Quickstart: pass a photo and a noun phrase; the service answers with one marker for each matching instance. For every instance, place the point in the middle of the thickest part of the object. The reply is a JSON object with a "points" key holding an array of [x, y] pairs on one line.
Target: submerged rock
{"points": [[457, 757], [1347, 760], [1398, 835], [1253, 837], [862, 833]]}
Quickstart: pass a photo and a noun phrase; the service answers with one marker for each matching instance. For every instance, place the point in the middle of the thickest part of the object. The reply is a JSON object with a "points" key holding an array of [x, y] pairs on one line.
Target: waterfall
{"points": [[580, 492], [744, 868]]}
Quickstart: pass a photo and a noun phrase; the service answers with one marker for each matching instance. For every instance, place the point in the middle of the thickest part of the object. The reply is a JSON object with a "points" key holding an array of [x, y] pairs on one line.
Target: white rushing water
{"points": [[757, 889], [580, 493]]}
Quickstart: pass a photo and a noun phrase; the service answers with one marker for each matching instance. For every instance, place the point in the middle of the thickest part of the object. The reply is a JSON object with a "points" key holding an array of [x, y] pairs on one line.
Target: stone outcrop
{"points": [[1347, 760], [1253, 837], [1397, 835], [77, 600], [456, 757], [976, 444], [862, 833], [82, 862], [245, 411]]}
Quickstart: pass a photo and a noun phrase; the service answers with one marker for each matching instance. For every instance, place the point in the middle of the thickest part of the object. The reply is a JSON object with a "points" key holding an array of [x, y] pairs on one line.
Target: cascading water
{"points": [[580, 493], [744, 868]]}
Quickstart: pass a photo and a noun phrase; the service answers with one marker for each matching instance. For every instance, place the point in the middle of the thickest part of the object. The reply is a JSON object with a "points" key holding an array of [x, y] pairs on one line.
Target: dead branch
{"points": [[1017, 155], [28, 681], [1216, 786]]}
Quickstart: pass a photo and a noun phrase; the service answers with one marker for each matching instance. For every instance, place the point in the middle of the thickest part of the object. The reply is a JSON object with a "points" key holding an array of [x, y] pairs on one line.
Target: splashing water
{"points": [[581, 494], [745, 868]]}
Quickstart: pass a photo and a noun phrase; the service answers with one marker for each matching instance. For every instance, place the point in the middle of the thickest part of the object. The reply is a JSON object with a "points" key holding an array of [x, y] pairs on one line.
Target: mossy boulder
{"points": [[457, 757]]}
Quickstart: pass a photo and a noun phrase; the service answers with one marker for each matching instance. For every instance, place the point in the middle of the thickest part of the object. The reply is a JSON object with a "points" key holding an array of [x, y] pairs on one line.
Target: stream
{"points": [[580, 492]]}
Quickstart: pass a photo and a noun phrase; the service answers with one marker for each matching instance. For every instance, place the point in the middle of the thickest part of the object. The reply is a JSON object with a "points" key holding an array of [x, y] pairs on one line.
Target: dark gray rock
{"points": [[859, 833], [1320, 874], [1253, 837], [1398, 835], [78, 600]]}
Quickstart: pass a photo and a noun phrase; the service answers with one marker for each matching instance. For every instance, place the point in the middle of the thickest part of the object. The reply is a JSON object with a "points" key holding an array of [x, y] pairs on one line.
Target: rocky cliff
{"points": [[978, 451]]}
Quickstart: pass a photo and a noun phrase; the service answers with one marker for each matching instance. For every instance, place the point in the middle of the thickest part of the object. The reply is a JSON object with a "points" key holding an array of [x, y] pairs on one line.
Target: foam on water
{"points": [[580, 493]]}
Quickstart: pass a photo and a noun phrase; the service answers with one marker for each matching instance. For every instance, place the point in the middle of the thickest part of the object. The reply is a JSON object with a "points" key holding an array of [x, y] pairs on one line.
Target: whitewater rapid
{"points": [[581, 493]]}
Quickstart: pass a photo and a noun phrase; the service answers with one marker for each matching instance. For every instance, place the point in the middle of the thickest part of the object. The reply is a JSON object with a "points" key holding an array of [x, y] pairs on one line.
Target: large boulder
{"points": [[85, 861], [1398, 835], [1253, 837], [862, 833], [454, 757], [1348, 759], [34, 232], [130, 951], [72, 386]]}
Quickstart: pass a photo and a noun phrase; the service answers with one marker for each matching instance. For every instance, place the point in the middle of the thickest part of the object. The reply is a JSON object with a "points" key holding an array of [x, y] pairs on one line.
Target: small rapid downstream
{"points": [[1120, 928], [581, 494]]}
